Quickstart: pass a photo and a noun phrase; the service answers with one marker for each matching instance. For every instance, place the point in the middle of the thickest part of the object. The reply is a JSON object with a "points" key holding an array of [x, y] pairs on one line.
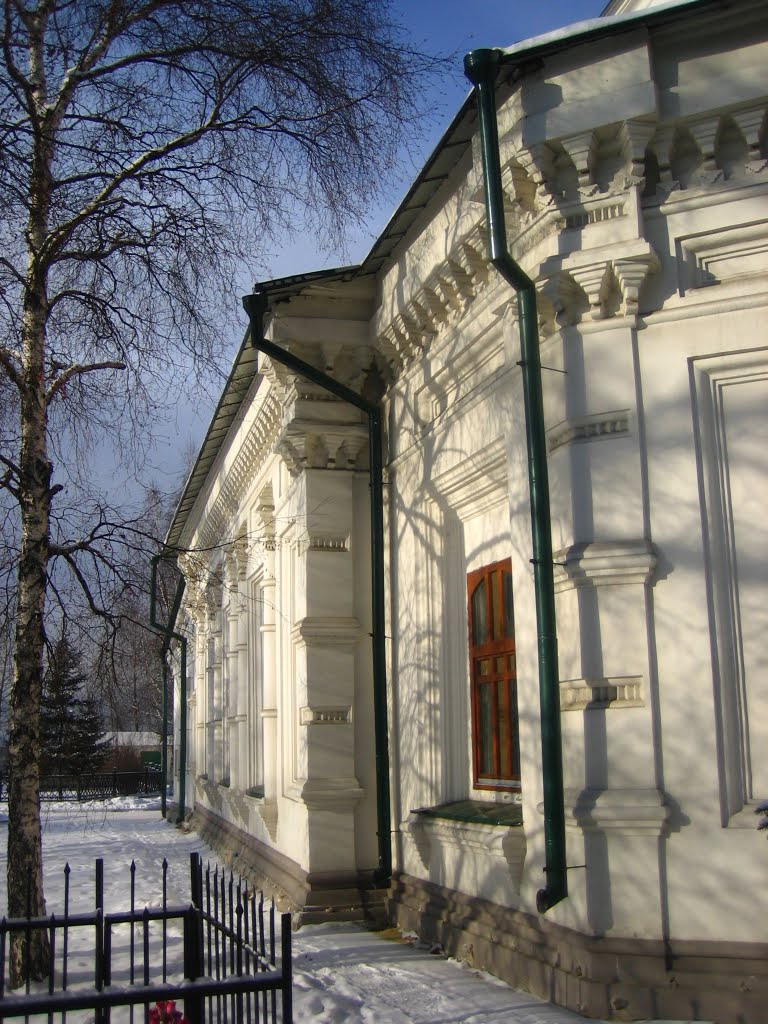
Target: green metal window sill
{"points": [[477, 811]]}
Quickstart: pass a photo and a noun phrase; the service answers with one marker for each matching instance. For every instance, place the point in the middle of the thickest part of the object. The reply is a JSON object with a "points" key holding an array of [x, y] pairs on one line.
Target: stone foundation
{"points": [[311, 897], [609, 978]]}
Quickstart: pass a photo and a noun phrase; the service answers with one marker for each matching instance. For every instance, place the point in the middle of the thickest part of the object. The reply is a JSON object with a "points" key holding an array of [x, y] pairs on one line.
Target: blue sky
{"points": [[447, 27], [444, 26]]}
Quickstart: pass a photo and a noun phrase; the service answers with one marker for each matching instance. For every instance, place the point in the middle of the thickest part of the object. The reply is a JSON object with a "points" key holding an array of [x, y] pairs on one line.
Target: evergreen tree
{"points": [[70, 721]]}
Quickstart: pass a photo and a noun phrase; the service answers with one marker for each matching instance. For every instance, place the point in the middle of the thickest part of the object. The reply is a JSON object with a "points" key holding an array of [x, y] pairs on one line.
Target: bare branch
{"points": [[74, 371]]}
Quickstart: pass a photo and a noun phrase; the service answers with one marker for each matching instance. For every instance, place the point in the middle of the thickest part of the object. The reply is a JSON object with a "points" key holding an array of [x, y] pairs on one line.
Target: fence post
{"points": [[193, 940], [114, 782], [99, 953], [286, 967]]}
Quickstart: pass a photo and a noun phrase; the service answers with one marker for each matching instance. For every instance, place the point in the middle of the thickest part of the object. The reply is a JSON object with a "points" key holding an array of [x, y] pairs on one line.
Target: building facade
{"points": [[633, 163]]}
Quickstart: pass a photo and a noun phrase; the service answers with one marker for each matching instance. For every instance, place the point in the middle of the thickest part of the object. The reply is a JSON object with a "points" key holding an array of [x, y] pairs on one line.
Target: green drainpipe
{"points": [[256, 306], [168, 631], [481, 68]]}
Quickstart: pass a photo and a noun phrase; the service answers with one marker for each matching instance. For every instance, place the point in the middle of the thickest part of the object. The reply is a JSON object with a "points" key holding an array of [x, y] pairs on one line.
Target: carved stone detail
{"points": [[251, 457], [604, 563], [624, 811], [631, 273], [614, 692], [304, 445], [325, 715], [324, 794], [595, 282], [573, 183], [589, 428], [636, 136], [268, 813], [561, 302], [327, 631], [580, 148]]}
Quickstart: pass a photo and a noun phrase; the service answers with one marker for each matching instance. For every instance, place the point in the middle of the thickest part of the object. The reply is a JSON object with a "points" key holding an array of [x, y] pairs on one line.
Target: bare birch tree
{"points": [[148, 148]]}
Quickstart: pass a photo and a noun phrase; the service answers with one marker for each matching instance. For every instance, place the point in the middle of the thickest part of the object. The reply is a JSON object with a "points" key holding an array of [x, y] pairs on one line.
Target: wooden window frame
{"points": [[498, 648]]}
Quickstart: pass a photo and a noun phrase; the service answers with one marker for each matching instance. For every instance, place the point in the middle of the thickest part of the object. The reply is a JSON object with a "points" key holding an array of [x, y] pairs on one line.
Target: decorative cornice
{"points": [[255, 449], [604, 563], [579, 183]]}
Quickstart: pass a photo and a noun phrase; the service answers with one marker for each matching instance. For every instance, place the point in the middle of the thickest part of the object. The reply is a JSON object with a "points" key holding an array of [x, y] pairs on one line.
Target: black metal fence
{"points": [[94, 785], [216, 958]]}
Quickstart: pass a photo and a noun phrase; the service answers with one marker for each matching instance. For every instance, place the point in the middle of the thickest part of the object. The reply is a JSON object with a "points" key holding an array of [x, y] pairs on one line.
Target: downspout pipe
{"points": [[481, 68], [256, 307], [168, 630]]}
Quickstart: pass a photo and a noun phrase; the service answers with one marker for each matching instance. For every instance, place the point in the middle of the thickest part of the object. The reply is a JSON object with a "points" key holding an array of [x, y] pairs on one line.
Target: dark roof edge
{"points": [[600, 28], [225, 413]]}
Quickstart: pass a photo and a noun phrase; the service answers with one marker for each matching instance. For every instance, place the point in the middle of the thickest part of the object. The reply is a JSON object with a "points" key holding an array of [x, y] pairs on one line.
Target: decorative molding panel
{"points": [[598, 426], [330, 794], [334, 544], [475, 484], [604, 563], [336, 715], [329, 632], [597, 694], [725, 254], [460, 376], [501, 845], [268, 812], [625, 812]]}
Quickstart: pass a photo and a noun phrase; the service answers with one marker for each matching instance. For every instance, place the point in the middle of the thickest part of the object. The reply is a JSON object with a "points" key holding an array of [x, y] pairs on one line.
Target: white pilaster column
{"points": [[233, 684], [266, 767]]}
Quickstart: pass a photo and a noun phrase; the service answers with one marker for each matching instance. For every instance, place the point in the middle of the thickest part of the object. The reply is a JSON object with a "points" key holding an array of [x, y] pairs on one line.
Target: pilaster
{"points": [[325, 639]]}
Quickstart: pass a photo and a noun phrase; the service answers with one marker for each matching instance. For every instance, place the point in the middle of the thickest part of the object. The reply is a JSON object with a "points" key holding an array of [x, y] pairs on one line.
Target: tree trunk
{"points": [[25, 863], [25, 859]]}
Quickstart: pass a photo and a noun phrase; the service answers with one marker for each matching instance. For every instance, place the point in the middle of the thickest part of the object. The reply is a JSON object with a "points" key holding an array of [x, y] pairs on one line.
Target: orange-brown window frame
{"points": [[493, 677]]}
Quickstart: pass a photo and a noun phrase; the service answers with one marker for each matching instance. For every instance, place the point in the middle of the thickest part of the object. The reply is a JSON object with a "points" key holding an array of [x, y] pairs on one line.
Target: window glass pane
{"points": [[509, 614], [485, 715], [515, 729], [492, 670], [479, 615], [504, 730], [496, 608]]}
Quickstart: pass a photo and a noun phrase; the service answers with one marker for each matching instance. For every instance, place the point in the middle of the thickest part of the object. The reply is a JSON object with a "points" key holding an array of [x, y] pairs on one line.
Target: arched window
{"points": [[493, 678]]}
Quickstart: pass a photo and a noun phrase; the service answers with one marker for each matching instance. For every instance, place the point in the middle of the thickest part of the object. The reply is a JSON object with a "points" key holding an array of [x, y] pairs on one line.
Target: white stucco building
{"points": [[633, 163]]}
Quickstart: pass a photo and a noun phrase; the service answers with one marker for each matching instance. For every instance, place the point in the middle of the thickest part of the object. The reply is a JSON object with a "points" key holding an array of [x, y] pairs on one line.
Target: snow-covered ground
{"points": [[342, 972]]}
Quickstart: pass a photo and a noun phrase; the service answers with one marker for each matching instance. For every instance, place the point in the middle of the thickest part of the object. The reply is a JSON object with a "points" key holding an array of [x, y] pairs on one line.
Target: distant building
{"points": [[145, 747], [633, 162]]}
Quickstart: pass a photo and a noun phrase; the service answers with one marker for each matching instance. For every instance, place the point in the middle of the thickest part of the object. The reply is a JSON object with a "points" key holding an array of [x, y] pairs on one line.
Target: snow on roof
{"points": [[133, 739], [570, 33]]}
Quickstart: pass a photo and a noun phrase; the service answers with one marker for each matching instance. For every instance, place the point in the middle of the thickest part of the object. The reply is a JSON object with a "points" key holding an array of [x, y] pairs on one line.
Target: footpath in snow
{"points": [[343, 973]]}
